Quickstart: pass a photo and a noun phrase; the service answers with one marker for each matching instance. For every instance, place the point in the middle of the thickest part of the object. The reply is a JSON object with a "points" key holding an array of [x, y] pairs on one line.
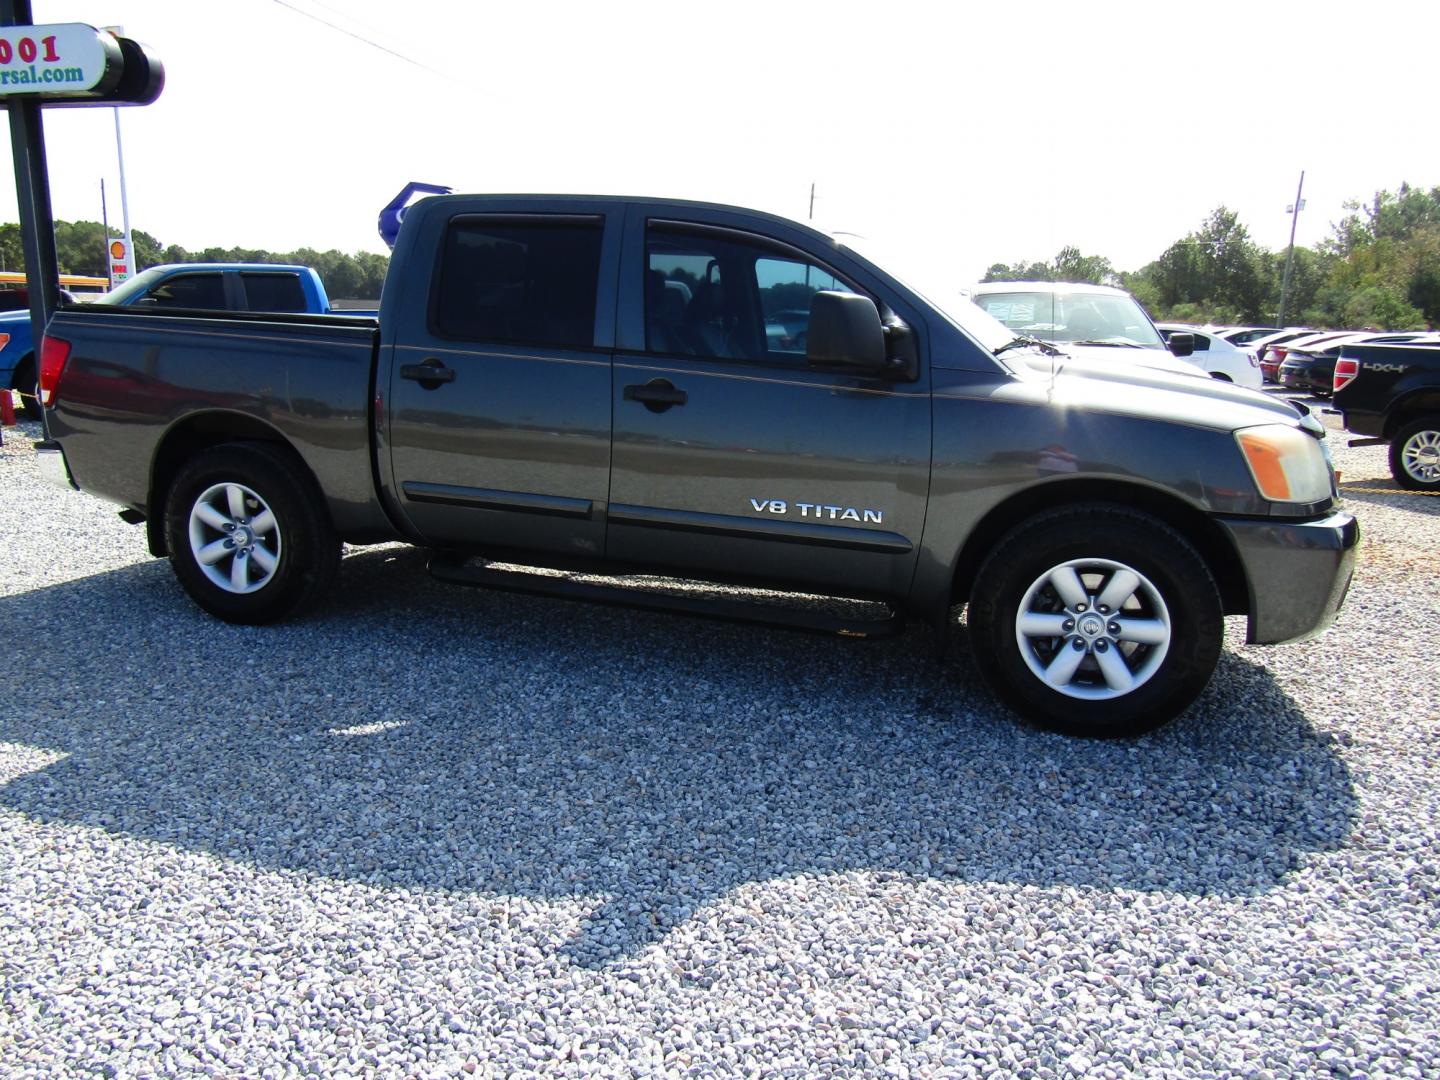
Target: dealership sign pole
{"points": [[66, 64]]}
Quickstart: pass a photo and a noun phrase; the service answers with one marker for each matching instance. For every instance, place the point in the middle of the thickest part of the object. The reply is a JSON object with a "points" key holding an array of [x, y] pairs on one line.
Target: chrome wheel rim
{"points": [[1420, 456], [234, 538], [1093, 629]]}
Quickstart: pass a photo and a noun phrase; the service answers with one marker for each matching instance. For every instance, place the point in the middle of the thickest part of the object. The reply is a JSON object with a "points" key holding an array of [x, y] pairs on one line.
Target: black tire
{"points": [[25, 382], [286, 561], [1419, 441], [1177, 597]]}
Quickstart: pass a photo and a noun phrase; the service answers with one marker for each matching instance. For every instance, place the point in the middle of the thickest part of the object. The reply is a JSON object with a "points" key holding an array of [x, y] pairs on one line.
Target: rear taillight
{"points": [[1277, 354], [1345, 372], [54, 353]]}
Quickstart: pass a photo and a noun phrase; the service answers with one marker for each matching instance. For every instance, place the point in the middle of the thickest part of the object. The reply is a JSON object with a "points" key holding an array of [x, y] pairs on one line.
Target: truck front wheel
{"points": [[1415, 455], [249, 540], [1096, 620], [29, 389]]}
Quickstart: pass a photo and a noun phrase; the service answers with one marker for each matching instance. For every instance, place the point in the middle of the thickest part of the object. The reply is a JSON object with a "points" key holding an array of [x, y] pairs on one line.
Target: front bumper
{"points": [[53, 467], [1297, 573]]}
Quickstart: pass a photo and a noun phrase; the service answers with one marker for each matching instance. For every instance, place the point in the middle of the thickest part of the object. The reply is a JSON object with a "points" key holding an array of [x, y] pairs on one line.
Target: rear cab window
{"points": [[519, 280], [273, 291]]}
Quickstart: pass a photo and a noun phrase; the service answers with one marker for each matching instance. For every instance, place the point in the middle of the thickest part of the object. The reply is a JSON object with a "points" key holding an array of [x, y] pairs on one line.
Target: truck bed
{"points": [[139, 380]]}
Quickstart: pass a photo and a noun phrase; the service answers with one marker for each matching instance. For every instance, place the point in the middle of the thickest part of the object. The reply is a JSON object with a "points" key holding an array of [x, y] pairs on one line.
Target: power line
{"points": [[368, 41]]}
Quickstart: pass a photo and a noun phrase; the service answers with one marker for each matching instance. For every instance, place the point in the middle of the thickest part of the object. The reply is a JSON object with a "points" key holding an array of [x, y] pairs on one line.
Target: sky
{"points": [[960, 134]]}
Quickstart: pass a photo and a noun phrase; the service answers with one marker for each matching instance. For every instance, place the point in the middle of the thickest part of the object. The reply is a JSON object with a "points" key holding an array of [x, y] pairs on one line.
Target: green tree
{"points": [[1216, 270], [81, 248], [1385, 268], [1068, 265]]}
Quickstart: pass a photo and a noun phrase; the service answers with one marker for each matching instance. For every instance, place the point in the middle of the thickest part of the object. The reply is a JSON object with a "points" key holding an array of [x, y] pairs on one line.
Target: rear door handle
{"points": [[432, 371], [657, 395]]}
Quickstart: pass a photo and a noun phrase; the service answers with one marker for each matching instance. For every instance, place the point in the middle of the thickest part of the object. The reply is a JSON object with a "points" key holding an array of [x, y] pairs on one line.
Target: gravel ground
{"points": [[439, 832]]}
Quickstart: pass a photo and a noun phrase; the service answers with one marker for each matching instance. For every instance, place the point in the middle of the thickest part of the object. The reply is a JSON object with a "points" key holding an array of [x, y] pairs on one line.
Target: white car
{"points": [[1091, 322], [1242, 336], [1218, 357]]}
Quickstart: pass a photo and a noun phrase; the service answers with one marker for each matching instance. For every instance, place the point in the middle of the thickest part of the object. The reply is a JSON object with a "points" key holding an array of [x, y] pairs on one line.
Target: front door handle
{"points": [[430, 374], [657, 395]]}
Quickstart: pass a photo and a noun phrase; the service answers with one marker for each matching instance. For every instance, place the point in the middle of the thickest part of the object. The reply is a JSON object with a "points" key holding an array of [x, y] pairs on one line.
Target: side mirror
{"points": [[1181, 343], [845, 332]]}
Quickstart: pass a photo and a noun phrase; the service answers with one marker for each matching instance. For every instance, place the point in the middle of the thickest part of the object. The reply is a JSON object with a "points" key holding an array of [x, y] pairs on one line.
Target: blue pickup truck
{"points": [[199, 286]]}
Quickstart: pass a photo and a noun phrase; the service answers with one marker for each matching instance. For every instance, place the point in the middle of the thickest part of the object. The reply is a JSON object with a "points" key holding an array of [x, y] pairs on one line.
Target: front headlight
{"points": [[1288, 465]]}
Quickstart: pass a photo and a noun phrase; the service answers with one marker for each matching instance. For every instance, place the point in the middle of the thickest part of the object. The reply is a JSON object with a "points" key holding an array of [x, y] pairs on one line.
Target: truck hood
{"points": [[1115, 356], [1130, 389]]}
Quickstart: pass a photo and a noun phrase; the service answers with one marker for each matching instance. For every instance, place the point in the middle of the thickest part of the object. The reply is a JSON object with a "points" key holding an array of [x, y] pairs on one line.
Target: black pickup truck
{"points": [[1391, 393], [703, 392]]}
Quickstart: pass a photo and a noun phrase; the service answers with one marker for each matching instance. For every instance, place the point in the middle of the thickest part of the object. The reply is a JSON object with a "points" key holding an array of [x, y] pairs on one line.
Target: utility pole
{"points": [[105, 240], [124, 200], [812, 218], [1290, 254], [32, 189], [131, 266]]}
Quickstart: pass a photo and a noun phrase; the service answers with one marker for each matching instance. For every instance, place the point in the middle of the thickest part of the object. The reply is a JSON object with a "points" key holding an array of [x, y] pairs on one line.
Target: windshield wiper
{"points": [[1122, 343], [1023, 342]]}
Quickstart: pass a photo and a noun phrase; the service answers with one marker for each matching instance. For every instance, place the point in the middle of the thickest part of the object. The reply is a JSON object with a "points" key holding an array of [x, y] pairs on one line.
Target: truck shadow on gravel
{"points": [[414, 736]]}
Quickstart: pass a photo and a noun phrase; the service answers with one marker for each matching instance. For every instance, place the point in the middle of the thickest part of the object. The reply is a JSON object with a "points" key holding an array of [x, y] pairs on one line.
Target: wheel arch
{"points": [[24, 364], [193, 435], [1209, 540], [1410, 408]]}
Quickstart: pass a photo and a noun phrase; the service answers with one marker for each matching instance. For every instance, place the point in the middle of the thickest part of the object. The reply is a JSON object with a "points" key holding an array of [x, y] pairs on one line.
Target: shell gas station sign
{"points": [[120, 265]]}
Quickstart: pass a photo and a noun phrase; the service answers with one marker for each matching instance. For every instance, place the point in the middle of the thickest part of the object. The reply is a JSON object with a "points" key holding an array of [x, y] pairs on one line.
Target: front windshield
{"points": [[1073, 315], [932, 287]]}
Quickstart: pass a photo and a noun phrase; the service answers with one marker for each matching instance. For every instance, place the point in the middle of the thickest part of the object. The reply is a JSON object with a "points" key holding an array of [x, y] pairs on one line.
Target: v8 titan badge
{"points": [[818, 511]]}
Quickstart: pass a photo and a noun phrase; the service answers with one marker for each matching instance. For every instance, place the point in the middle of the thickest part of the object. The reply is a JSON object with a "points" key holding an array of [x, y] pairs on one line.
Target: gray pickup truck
{"points": [[635, 386]]}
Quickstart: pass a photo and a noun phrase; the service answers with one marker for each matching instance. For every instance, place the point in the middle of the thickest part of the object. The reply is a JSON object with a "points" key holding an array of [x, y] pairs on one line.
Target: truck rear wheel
{"points": [[1096, 620], [1415, 455], [248, 537]]}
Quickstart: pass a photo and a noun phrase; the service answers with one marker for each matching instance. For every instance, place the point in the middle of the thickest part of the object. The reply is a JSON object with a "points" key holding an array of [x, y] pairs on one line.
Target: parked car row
{"points": [[1302, 358]]}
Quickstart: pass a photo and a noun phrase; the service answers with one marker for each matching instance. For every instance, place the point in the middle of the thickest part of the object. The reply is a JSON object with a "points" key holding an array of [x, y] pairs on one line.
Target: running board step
{"points": [[458, 571], [1367, 442]]}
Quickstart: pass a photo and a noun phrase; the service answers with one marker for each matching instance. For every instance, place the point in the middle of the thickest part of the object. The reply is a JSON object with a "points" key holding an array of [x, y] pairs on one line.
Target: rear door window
{"points": [[519, 281]]}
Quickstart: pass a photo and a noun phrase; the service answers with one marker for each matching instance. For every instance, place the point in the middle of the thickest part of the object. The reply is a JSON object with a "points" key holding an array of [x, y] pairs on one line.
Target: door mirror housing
{"points": [[845, 333], [1182, 343]]}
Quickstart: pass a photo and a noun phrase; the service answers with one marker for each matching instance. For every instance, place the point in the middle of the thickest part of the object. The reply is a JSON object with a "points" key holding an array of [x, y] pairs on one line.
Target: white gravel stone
{"points": [[430, 832]]}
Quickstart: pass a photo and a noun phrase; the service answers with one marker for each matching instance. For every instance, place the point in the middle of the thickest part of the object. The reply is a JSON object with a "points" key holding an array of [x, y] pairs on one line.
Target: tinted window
{"points": [[724, 298], [189, 291], [522, 283], [274, 292]]}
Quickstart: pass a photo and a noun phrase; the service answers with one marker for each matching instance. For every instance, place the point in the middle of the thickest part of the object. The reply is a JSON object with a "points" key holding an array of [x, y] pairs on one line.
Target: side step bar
{"points": [[1367, 442], [459, 571]]}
